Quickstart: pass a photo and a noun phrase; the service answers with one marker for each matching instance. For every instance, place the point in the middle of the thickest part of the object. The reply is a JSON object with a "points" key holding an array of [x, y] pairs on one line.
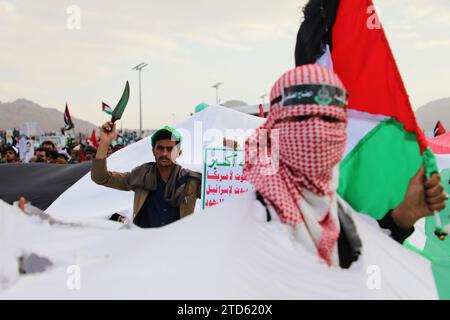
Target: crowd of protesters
{"points": [[76, 150]]}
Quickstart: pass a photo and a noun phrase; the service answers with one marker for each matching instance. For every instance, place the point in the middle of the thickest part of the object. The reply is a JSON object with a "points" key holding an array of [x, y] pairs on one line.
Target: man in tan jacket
{"points": [[164, 191]]}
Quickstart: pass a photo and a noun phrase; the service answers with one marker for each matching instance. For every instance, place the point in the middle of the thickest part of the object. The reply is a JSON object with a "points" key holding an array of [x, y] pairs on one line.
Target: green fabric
{"points": [[429, 162], [202, 106], [437, 250], [441, 271], [375, 174]]}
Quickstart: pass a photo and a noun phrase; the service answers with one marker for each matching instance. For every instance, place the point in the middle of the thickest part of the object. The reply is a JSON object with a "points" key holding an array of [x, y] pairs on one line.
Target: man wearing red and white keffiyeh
{"points": [[308, 113], [305, 136]]}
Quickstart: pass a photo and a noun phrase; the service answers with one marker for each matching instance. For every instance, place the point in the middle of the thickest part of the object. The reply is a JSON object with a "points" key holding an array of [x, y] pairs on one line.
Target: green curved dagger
{"points": [[121, 105]]}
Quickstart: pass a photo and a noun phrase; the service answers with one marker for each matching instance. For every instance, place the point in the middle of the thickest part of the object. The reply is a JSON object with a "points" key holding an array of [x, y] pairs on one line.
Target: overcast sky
{"points": [[189, 45]]}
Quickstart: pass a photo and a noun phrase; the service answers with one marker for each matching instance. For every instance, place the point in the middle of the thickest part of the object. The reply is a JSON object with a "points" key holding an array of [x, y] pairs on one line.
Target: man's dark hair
{"points": [[12, 149], [315, 31], [53, 154], [164, 135], [49, 142], [64, 156]]}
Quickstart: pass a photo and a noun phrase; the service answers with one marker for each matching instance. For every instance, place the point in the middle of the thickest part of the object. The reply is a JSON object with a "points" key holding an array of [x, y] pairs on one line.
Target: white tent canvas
{"points": [[226, 252], [85, 199]]}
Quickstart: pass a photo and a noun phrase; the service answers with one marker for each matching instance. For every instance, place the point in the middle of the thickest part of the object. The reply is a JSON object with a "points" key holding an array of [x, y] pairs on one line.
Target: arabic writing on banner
{"points": [[222, 176]]}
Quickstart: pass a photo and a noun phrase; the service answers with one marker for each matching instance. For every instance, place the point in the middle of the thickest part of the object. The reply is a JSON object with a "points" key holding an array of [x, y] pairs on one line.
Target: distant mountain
{"points": [[234, 103], [14, 114], [429, 114]]}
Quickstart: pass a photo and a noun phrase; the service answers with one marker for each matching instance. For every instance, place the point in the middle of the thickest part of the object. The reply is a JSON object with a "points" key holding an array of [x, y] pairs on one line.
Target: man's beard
{"points": [[164, 165]]}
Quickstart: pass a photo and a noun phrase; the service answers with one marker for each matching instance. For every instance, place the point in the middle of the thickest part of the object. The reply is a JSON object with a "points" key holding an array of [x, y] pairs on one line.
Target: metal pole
{"points": [[139, 68], [217, 95], [140, 105], [216, 86]]}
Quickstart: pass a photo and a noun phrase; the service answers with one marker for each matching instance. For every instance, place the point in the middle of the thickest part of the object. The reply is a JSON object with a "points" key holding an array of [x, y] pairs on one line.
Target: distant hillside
{"points": [[429, 114], [14, 114], [234, 103]]}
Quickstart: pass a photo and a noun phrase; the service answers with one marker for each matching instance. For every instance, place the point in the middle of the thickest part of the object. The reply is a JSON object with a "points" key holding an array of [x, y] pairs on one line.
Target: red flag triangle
{"points": [[364, 62], [439, 129]]}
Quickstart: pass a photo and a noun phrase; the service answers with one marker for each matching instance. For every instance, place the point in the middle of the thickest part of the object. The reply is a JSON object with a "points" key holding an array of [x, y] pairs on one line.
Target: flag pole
{"points": [[430, 164]]}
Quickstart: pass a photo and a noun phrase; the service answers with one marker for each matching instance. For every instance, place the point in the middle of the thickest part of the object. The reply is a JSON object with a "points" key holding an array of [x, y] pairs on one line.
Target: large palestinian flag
{"points": [[386, 147]]}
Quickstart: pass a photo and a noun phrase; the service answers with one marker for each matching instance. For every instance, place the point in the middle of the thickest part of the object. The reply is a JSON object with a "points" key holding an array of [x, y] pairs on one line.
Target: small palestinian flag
{"points": [[68, 120], [106, 109], [439, 129]]}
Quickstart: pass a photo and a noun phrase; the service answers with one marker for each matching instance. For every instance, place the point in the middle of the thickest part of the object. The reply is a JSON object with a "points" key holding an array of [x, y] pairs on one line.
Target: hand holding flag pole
{"points": [[431, 168]]}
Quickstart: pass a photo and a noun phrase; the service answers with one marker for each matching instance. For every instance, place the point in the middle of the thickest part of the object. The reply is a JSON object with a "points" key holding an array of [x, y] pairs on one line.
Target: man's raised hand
{"points": [[108, 133]]}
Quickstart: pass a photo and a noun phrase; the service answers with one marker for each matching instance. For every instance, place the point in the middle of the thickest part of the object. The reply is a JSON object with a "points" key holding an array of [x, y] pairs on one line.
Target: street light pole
{"points": [[216, 86], [139, 68]]}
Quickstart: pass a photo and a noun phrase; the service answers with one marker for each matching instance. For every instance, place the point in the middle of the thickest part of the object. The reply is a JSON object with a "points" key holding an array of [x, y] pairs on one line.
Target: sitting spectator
{"points": [[75, 157], [41, 155], [49, 145], [90, 152], [62, 158], [52, 156], [12, 155]]}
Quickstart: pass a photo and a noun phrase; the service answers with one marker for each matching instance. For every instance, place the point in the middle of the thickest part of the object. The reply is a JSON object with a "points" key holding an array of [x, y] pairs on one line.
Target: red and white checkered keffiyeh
{"points": [[302, 189]]}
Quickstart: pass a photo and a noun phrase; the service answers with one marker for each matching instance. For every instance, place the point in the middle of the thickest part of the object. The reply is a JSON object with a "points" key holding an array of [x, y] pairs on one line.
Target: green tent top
{"points": [[202, 106], [175, 134]]}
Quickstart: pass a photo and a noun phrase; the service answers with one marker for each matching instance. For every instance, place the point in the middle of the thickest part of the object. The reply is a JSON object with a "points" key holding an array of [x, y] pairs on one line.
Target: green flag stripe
{"points": [[437, 250], [374, 178], [375, 174]]}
